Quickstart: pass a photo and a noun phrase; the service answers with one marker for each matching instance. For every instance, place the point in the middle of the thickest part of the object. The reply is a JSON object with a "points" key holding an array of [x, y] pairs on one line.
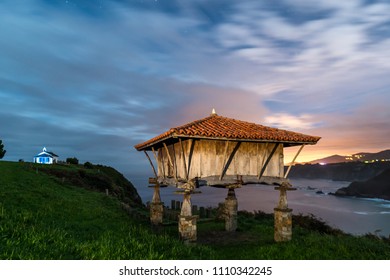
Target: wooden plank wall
{"points": [[210, 157]]}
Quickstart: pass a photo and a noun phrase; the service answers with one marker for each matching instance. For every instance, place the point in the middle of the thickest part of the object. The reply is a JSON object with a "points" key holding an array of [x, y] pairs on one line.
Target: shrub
{"points": [[72, 160], [88, 165]]}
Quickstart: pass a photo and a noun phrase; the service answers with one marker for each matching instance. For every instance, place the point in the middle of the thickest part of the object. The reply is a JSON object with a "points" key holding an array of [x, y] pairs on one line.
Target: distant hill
{"points": [[363, 157], [344, 171], [376, 187], [330, 159]]}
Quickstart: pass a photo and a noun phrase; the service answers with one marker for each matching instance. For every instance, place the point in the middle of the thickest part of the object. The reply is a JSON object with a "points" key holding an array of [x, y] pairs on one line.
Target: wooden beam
{"points": [[226, 167], [268, 160], [225, 157], [170, 159], [154, 153], [192, 146], [169, 156], [174, 160], [293, 161], [156, 159], [159, 163], [261, 164], [184, 158], [151, 163]]}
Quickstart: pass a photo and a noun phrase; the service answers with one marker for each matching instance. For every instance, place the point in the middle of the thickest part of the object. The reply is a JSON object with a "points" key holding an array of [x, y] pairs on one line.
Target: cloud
{"points": [[92, 81], [291, 122]]}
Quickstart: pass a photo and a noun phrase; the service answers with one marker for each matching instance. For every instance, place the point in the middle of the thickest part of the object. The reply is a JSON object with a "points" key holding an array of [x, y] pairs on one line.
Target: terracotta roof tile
{"points": [[218, 127]]}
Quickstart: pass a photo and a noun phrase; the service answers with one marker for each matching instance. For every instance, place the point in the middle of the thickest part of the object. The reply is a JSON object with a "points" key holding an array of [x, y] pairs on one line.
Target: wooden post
{"points": [[225, 157], [192, 146], [158, 162], [169, 158], [160, 151], [264, 153], [292, 163], [226, 167], [268, 160], [174, 161], [184, 158], [151, 163]]}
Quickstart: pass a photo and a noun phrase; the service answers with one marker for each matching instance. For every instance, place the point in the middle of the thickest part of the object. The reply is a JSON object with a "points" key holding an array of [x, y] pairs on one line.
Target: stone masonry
{"points": [[283, 216], [231, 206], [187, 221], [156, 207]]}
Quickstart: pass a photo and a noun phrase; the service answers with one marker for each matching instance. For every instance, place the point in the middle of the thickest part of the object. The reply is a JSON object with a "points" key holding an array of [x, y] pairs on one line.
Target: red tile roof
{"points": [[222, 128]]}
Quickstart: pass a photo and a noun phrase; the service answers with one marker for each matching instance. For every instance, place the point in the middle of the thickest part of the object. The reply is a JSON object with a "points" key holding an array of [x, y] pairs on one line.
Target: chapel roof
{"points": [[45, 153]]}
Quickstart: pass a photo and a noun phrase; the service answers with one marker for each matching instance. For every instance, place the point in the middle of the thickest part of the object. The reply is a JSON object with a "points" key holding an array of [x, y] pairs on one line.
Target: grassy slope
{"points": [[43, 218], [40, 218]]}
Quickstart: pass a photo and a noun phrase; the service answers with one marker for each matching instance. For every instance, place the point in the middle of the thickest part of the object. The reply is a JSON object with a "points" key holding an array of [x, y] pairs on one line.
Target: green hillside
{"points": [[43, 218], [62, 212]]}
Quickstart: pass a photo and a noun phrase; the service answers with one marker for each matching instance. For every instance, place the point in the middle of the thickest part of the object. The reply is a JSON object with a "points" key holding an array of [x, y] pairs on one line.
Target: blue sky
{"points": [[91, 79]]}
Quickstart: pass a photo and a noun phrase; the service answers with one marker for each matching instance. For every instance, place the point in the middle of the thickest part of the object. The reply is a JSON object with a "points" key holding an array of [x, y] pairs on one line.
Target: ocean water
{"points": [[352, 215]]}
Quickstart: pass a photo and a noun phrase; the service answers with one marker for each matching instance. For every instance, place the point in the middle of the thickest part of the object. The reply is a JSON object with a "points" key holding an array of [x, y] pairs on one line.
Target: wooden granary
{"points": [[222, 152]]}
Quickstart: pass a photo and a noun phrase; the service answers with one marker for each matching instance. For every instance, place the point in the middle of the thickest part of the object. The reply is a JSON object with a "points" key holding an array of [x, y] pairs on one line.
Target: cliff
{"points": [[345, 171], [376, 187], [93, 177]]}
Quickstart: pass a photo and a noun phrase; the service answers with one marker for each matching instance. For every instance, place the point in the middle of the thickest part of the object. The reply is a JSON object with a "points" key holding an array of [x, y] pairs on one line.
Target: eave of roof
{"points": [[217, 127], [46, 154]]}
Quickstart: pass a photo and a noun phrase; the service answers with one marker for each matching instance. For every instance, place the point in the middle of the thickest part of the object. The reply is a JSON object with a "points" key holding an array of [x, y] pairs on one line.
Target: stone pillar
{"points": [[187, 222], [283, 215], [231, 206], [156, 207]]}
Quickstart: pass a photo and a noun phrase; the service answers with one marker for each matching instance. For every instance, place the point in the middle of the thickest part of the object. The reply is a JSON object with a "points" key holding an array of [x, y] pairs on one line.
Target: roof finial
{"points": [[44, 149], [213, 113]]}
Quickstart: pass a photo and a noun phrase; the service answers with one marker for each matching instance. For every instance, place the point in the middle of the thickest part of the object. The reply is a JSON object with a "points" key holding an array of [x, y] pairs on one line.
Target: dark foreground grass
{"points": [[42, 218], [254, 240]]}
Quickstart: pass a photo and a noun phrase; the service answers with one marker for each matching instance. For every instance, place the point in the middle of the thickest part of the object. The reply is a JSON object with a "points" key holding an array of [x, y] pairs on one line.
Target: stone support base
{"points": [[283, 224], [187, 228], [156, 213], [231, 206]]}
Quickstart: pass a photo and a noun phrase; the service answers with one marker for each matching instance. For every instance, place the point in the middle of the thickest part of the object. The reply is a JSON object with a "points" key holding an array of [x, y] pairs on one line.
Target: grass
{"points": [[254, 240], [44, 217], [41, 218]]}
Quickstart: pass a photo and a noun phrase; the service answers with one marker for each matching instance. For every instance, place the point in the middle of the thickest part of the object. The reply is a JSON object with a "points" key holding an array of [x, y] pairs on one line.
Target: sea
{"points": [[357, 216]]}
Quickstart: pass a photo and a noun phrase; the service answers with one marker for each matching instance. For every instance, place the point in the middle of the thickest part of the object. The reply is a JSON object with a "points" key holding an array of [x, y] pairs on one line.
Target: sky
{"points": [[92, 78]]}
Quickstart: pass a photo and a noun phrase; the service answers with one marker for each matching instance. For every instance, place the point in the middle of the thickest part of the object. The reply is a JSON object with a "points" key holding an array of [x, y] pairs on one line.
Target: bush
{"points": [[72, 160], [88, 165]]}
